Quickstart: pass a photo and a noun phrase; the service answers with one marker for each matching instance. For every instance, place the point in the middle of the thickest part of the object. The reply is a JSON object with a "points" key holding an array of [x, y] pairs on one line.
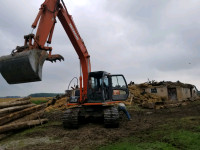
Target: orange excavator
{"points": [[98, 91]]}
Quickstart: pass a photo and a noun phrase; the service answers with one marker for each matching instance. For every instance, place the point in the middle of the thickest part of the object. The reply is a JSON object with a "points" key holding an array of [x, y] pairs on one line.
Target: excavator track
{"points": [[111, 117], [71, 118]]}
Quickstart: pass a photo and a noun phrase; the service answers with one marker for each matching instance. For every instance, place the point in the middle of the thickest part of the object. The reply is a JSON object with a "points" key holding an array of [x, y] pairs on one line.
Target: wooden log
{"points": [[23, 99], [15, 108], [19, 114], [14, 103], [21, 125], [32, 116]]}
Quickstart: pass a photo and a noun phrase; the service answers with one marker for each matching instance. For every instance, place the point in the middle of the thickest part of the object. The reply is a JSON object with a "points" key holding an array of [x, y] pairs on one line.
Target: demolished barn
{"points": [[161, 94], [173, 91]]}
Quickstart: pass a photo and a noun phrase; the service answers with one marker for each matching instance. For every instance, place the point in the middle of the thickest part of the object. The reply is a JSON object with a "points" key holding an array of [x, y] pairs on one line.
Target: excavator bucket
{"points": [[23, 67]]}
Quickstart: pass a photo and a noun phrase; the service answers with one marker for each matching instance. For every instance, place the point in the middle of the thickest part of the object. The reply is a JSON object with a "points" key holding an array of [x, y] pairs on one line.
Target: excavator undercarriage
{"points": [[76, 116]]}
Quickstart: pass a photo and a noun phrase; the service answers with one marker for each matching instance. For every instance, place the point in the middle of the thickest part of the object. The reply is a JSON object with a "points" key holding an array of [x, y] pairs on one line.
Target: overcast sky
{"points": [[142, 39]]}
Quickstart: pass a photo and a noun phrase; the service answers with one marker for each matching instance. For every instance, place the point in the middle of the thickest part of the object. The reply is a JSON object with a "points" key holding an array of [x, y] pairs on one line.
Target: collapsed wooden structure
{"points": [[164, 94]]}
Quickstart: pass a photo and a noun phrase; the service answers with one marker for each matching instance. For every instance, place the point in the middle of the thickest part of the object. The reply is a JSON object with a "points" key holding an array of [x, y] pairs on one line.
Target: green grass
{"points": [[184, 139], [198, 128], [38, 100], [35, 100], [139, 146], [38, 129], [178, 134]]}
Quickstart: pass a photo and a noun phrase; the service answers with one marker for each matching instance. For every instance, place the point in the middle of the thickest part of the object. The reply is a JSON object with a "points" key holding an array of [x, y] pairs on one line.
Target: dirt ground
{"points": [[93, 134]]}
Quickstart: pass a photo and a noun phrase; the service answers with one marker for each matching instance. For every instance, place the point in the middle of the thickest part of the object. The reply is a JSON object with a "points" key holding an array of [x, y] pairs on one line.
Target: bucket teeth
{"points": [[53, 58]]}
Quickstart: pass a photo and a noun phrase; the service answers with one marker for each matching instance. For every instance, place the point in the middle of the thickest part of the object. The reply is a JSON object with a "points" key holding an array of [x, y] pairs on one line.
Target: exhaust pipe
{"points": [[23, 67]]}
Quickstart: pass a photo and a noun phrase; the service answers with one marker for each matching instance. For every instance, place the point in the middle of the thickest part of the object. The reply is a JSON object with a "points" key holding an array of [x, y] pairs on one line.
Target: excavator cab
{"points": [[103, 92], [103, 87]]}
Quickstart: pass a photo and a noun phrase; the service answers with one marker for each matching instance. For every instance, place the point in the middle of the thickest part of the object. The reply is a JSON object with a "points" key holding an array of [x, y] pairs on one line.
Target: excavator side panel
{"points": [[23, 67]]}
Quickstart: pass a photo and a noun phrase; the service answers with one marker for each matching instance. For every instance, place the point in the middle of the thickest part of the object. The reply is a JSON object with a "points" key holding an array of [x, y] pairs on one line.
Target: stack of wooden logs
{"points": [[20, 114]]}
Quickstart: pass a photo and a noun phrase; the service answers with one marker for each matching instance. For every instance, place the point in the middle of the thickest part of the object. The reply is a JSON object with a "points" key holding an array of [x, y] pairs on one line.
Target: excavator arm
{"points": [[76, 40], [48, 12], [34, 45]]}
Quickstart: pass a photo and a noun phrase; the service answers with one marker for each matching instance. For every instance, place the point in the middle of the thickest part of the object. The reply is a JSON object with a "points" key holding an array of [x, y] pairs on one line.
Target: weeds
{"points": [[181, 133]]}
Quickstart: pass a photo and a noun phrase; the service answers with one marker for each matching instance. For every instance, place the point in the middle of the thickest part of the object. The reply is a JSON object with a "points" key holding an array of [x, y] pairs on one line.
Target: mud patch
{"points": [[25, 142], [93, 135]]}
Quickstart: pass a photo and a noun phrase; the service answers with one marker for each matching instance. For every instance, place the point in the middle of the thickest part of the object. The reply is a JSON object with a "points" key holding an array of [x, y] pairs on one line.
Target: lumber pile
{"points": [[20, 114]]}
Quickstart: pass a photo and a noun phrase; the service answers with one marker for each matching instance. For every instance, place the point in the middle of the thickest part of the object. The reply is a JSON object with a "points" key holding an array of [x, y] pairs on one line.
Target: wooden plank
{"points": [[32, 116], [14, 103], [21, 125], [20, 114], [23, 99], [14, 108]]}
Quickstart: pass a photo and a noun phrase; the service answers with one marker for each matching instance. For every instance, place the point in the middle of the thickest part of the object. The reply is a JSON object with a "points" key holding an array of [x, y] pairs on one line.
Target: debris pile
{"points": [[57, 103], [140, 95], [20, 114], [146, 100]]}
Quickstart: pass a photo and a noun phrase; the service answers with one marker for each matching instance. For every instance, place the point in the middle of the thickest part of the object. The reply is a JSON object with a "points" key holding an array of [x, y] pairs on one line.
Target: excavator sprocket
{"points": [[111, 117]]}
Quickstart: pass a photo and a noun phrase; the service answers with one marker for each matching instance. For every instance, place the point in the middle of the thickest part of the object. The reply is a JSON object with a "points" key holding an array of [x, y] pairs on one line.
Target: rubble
{"points": [[57, 103], [140, 97], [137, 96]]}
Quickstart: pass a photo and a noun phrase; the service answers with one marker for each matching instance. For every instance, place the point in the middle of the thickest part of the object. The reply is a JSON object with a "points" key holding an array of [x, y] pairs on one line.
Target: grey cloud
{"points": [[140, 39]]}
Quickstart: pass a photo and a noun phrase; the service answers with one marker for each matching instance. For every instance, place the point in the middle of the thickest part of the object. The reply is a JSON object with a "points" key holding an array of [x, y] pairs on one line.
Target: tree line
{"points": [[44, 94]]}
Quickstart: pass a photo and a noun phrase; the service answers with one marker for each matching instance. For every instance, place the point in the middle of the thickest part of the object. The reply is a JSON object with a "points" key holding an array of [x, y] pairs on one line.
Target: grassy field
{"points": [[177, 134], [39, 100], [6, 99], [36, 100]]}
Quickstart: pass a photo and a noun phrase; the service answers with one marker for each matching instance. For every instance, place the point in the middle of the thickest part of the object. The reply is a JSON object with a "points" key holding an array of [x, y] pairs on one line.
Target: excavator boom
{"points": [[26, 62]]}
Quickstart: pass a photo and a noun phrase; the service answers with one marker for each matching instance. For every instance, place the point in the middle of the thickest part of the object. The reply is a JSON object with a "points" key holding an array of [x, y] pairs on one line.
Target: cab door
{"points": [[119, 88]]}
